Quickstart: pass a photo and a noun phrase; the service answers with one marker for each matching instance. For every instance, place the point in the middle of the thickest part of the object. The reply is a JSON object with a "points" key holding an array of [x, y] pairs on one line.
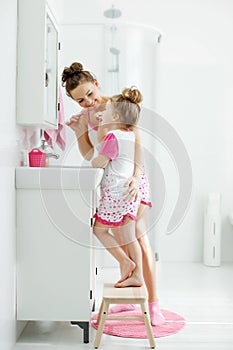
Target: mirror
{"points": [[51, 78]]}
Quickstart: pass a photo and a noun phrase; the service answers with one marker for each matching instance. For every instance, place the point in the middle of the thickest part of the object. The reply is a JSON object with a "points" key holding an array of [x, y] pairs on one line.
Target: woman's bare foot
{"points": [[126, 270], [132, 281]]}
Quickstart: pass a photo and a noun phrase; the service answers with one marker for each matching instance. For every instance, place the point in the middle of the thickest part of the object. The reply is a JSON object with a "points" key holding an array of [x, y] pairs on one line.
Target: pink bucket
{"points": [[37, 158]]}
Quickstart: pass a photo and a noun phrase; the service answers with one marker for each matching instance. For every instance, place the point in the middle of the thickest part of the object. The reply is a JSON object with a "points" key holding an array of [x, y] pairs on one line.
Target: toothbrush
{"points": [[70, 122]]}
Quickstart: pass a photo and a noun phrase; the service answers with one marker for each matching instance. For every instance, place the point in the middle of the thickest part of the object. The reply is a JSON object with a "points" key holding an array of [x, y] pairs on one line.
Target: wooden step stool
{"points": [[128, 295]]}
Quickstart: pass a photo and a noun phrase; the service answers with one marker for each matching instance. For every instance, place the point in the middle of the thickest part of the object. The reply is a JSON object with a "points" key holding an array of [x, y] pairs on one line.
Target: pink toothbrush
{"points": [[70, 122]]}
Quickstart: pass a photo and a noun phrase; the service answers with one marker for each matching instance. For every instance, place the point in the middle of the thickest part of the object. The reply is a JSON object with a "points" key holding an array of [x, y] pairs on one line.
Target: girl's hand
{"points": [[98, 117], [133, 189]]}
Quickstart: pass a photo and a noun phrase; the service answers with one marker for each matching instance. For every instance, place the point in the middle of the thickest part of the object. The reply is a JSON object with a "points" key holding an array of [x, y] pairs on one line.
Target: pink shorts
{"points": [[113, 211], [144, 190]]}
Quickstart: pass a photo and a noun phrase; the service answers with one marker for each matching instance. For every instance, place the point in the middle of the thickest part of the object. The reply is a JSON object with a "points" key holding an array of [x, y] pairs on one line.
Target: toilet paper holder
{"points": [[212, 231]]}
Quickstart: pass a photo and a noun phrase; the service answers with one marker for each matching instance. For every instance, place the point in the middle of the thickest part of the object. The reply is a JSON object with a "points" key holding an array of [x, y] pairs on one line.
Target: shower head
{"points": [[112, 12], [114, 50]]}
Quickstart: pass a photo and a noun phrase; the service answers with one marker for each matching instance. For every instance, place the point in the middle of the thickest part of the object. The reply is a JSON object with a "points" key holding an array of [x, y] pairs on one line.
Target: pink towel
{"points": [[29, 138], [57, 136]]}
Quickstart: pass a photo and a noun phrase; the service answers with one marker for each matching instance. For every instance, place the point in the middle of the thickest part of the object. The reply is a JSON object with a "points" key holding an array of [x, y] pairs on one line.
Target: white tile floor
{"points": [[203, 295]]}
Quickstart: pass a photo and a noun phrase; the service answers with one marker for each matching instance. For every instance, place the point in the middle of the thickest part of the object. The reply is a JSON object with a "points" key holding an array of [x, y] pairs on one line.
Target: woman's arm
{"points": [[133, 182], [85, 146], [80, 127], [139, 157]]}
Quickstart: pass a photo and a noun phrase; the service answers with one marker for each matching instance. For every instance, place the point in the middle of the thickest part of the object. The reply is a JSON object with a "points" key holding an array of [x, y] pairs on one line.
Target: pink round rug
{"points": [[136, 329]]}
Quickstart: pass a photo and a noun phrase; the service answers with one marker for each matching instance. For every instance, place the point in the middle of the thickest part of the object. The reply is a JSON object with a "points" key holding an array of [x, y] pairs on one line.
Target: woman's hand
{"points": [[133, 188], [78, 123]]}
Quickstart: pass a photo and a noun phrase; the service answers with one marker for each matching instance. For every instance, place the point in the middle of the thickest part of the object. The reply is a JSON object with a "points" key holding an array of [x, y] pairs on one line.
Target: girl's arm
{"points": [[102, 131], [108, 151], [100, 161]]}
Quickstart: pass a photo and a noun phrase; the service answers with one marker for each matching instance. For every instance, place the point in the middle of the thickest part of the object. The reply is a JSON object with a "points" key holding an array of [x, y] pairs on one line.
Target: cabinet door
{"points": [[93, 251], [54, 269], [37, 65]]}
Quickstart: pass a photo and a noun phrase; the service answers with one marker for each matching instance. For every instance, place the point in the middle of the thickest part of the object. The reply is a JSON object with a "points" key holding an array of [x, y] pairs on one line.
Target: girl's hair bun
{"points": [[69, 72], [132, 94]]}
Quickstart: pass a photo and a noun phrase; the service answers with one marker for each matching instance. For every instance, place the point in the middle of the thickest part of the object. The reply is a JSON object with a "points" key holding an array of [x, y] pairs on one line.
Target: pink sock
{"points": [[156, 316], [121, 307]]}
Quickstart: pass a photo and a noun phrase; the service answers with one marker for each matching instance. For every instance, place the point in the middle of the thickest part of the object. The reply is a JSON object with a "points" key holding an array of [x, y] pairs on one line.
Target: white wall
{"points": [[8, 160], [194, 96]]}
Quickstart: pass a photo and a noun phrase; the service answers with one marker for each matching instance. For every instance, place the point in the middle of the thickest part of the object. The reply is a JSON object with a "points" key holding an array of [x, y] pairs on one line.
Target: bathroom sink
{"points": [[58, 177]]}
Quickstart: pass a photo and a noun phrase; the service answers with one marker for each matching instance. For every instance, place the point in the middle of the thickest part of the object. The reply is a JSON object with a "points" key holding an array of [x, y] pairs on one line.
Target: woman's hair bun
{"points": [[132, 94], [68, 72], [76, 67]]}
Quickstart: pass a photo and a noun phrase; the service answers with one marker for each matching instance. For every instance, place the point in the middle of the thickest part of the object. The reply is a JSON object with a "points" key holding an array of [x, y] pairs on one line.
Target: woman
{"points": [[82, 87]]}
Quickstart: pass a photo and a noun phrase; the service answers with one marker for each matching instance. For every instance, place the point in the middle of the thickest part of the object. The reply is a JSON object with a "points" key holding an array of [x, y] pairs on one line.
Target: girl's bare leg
{"points": [[148, 259], [128, 240], [127, 265]]}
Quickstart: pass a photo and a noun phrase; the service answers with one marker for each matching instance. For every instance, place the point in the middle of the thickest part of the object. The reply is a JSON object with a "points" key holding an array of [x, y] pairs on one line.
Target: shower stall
{"points": [[131, 54]]}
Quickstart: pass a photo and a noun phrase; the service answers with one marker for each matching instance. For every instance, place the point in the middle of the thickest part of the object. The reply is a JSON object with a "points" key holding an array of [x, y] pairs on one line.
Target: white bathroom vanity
{"points": [[55, 245]]}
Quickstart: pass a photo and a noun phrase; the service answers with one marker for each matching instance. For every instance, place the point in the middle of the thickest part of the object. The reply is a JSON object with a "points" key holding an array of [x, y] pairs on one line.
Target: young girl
{"points": [[117, 157], [82, 87]]}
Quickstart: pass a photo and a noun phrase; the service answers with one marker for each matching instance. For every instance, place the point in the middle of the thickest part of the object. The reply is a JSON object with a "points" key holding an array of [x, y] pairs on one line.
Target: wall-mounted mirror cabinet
{"points": [[37, 70]]}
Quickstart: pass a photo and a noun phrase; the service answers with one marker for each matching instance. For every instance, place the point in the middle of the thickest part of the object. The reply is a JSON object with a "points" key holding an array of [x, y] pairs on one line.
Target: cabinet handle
{"points": [[59, 46], [91, 294], [91, 222]]}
